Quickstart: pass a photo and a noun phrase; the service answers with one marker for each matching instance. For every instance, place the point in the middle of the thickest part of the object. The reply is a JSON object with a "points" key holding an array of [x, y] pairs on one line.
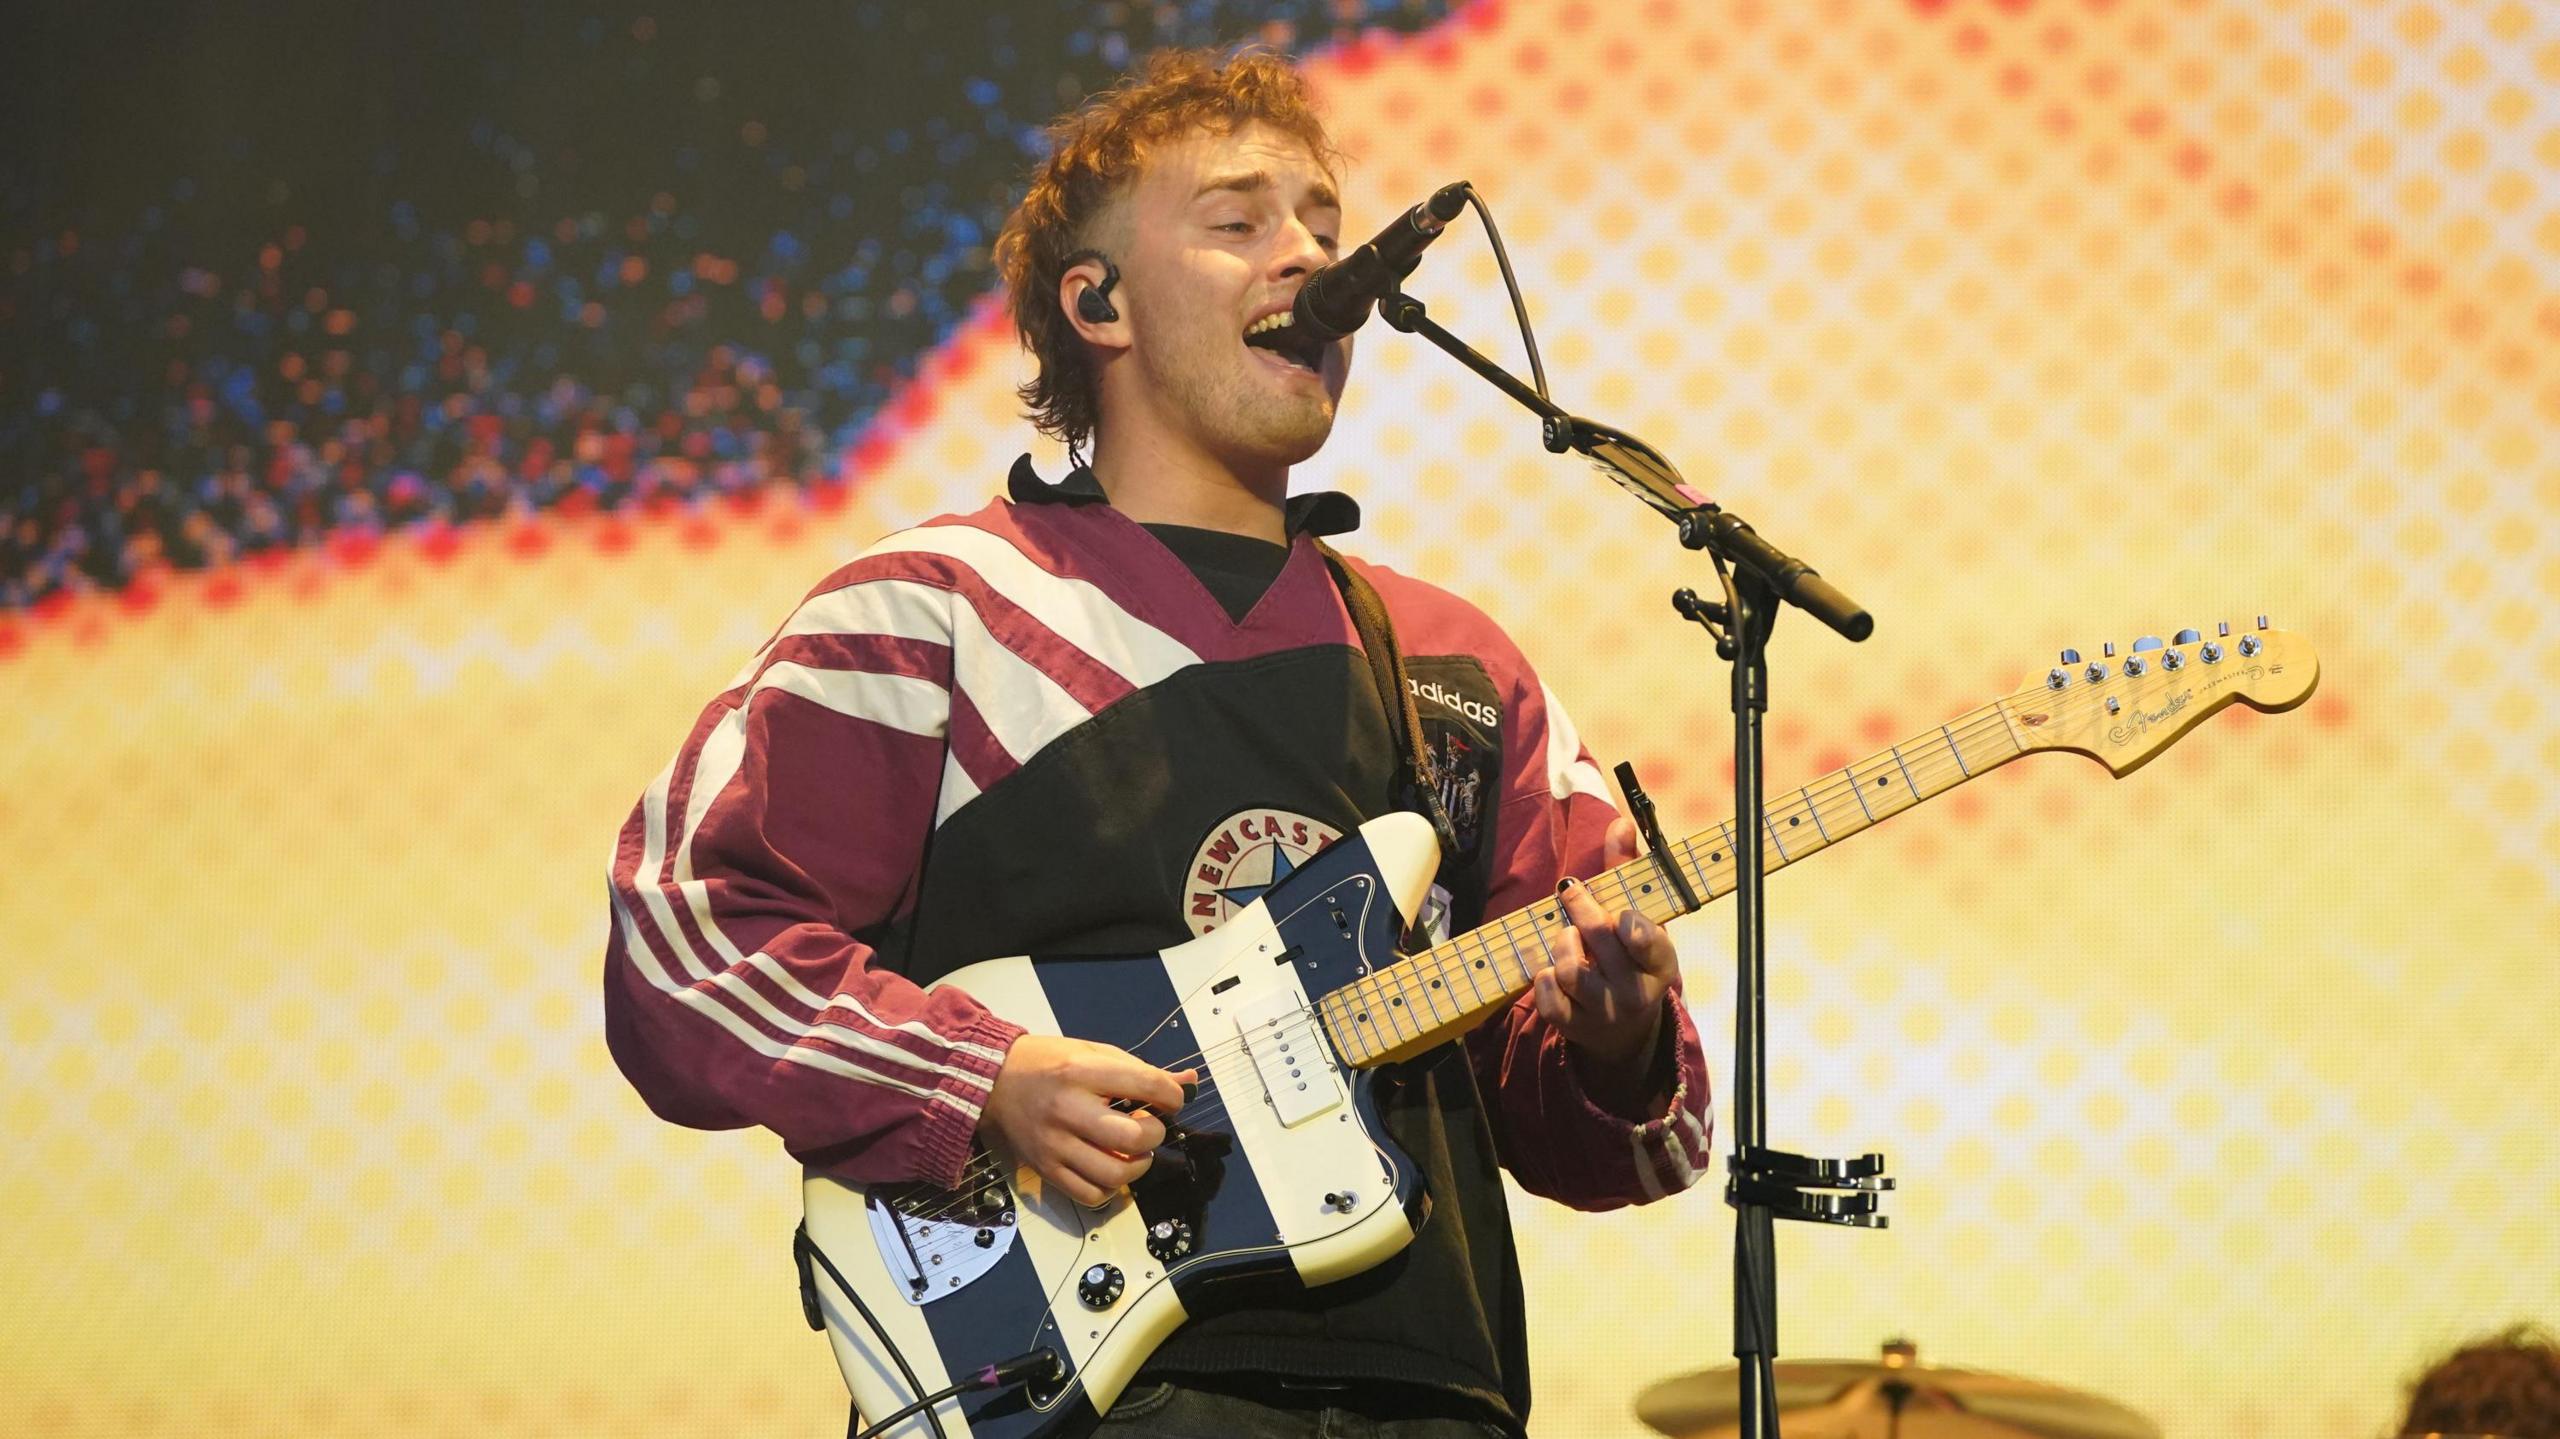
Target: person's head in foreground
{"points": [[2507, 1384]]}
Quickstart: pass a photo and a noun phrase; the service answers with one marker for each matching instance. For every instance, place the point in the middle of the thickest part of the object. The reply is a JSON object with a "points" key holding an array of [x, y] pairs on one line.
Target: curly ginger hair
{"points": [[1096, 153]]}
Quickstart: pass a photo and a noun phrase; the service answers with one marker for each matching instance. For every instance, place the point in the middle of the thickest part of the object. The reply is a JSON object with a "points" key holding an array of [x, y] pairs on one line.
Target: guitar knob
{"points": [[1169, 1239], [2188, 637], [2071, 657], [1100, 1287]]}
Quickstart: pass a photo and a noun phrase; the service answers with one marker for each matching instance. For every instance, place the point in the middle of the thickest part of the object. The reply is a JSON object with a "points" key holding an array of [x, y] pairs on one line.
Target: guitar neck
{"points": [[1429, 998]]}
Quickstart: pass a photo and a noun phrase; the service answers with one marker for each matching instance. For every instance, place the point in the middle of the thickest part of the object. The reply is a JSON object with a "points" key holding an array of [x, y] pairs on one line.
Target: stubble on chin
{"points": [[1292, 430], [1241, 417]]}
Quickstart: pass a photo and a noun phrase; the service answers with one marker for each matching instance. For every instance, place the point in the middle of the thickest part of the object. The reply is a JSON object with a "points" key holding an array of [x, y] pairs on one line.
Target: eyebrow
{"points": [[1247, 181]]}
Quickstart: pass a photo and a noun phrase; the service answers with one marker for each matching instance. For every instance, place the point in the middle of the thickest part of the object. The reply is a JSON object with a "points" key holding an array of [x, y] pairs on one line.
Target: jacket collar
{"points": [[1319, 513]]}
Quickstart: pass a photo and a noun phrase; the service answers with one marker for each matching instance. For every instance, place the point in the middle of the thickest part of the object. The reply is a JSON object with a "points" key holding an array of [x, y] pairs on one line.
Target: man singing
{"points": [[1099, 717]]}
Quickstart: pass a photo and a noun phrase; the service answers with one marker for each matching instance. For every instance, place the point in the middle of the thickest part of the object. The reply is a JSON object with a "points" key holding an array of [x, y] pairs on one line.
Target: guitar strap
{"points": [[1386, 666]]}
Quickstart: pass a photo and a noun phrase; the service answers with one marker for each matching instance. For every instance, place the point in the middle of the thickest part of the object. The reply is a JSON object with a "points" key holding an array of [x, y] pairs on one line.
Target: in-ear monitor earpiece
{"points": [[1093, 302]]}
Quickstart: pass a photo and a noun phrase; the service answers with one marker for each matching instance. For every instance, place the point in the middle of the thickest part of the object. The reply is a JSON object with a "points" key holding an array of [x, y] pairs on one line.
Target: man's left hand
{"points": [[1605, 989]]}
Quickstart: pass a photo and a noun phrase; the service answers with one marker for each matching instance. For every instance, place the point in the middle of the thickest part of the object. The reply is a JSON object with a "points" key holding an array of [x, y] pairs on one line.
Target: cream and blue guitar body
{"points": [[1289, 1183]]}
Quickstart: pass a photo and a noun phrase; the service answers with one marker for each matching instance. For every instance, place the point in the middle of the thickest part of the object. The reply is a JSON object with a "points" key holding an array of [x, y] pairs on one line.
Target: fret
{"points": [[1381, 1021], [1537, 931], [1634, 893], [1352, 1029], [1663, 863], [1806, 796], [1388, 1003], [1418, 985], [1516, 978], [1505, 980], [1710, 886], [1710, 861], [1618, 878], [1907, 781], [1468, 967], [1858, 792], [1684, 854], [1995, 750], [1954, 750], [2016, 742]]}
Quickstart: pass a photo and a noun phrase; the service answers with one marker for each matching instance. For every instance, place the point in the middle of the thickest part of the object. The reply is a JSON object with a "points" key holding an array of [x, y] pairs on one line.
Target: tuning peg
{"points": [[2108, 649], [2262, 621], [2071, 657], [2146, 643], [2188, 637]]}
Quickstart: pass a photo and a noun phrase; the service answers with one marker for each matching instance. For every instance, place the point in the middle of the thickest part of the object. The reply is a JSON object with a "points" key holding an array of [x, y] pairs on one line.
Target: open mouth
{"points": [[1279, 336]]}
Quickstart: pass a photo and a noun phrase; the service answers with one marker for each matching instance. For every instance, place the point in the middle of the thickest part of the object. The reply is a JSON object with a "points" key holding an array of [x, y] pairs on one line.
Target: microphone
{"points": [[1337, 299]]}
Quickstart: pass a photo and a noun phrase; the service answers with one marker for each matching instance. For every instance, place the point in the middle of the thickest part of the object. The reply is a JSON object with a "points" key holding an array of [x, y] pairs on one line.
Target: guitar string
{"points": [[1197, 1117], [983, 1168], [1817, 799]]}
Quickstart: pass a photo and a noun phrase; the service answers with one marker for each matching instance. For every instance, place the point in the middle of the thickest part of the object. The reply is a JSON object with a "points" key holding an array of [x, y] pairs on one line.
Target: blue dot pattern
{"points": [[397, 270]]}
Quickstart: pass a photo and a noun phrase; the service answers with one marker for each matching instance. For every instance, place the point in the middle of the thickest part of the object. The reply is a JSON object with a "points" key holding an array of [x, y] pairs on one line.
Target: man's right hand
{"points": [[1051, 1110]]}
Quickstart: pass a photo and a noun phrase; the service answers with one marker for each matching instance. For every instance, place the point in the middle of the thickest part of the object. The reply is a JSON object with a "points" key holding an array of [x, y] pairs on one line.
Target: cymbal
{"points": [[1893, 1397]]}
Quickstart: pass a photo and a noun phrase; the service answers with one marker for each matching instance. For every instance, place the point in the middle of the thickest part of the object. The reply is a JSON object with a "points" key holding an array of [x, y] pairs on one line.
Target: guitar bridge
{"points": [[935, 1241], [1289, 1056]]}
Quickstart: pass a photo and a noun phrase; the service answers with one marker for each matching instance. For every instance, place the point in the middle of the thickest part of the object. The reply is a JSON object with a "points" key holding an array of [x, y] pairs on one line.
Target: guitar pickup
{"points": [[1289, 1056]]}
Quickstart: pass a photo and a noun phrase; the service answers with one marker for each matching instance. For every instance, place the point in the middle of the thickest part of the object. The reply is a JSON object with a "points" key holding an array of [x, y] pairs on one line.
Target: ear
{"points": [[1090, 274]]}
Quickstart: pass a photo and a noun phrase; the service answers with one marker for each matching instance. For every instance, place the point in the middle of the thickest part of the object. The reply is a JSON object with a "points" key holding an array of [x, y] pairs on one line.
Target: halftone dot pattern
{"points": [[2033, 323]]}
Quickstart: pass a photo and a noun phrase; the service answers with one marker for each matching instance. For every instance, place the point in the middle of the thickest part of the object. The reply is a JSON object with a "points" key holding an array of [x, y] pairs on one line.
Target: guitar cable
{"points": [[1037, 1366], [1020, 1369]]}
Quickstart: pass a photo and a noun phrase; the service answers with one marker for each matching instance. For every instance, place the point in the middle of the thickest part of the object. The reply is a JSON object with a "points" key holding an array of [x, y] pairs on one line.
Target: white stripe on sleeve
{"points": [[1078, 610], [1568, 773]]}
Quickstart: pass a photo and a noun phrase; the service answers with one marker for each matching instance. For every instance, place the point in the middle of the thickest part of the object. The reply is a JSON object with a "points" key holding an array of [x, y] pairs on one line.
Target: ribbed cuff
{"points": [[947, 1132]]}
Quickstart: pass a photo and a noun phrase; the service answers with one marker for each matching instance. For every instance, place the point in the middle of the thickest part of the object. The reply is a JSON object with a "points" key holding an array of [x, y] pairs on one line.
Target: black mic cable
{"points": [[1337, 299]]}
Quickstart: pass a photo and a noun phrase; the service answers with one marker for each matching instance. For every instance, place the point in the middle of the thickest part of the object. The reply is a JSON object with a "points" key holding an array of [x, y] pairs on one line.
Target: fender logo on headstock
{"points": [[2142, 720]]}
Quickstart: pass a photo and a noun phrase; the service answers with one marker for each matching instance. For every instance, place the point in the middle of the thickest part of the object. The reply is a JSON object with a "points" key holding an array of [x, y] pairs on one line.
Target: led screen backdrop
{"points": [[2226, 1090]]}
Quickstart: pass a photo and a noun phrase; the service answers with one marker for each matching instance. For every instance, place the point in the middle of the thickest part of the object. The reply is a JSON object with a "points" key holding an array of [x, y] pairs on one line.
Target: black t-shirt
{"points": [[1237, 569]]}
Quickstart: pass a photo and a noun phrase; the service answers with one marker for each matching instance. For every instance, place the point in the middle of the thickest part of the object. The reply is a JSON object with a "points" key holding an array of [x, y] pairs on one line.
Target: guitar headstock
{"points": [[2121, 709]]}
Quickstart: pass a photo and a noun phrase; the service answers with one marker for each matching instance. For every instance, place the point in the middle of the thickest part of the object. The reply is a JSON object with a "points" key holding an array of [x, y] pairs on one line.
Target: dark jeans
{"points": [[1178, 1411]]}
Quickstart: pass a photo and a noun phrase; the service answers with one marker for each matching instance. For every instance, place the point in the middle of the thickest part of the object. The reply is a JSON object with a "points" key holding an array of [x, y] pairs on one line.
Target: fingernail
{"points": [[1565, 885]]}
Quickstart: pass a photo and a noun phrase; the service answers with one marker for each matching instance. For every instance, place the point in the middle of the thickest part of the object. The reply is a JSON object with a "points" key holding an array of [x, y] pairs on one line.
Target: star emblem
{"points": [[1245, 894]]}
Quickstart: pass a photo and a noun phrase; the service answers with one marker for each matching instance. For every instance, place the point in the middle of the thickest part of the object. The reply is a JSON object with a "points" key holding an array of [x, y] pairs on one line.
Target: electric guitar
{"points": [[1282, 1171]]}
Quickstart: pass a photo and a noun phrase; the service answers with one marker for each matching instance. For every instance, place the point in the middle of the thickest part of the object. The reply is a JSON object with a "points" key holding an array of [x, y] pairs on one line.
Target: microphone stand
{"points": [[1762, 1184]]}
